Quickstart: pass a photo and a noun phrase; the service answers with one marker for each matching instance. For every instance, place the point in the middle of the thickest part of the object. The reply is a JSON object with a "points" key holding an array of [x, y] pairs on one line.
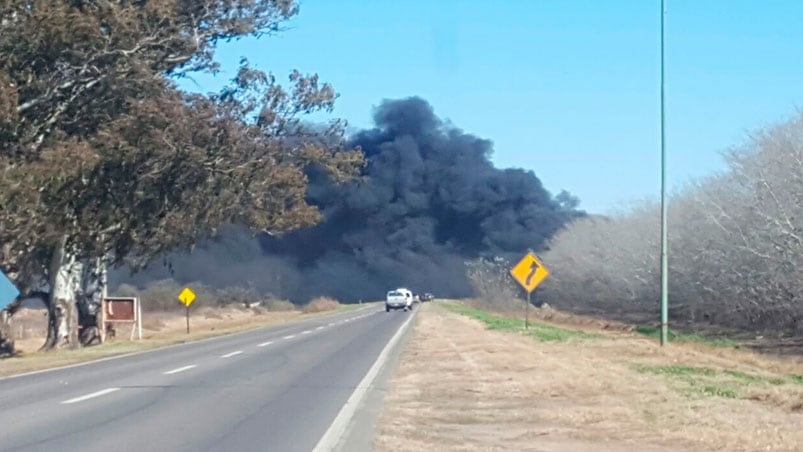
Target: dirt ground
{"points": [[462, 387]]}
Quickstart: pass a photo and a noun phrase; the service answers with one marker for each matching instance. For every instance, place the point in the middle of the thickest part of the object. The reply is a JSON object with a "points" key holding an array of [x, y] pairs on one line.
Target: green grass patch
{"points": [[655, 332], [716, 391], [707, 382], [676, 370], [696, 381], [750, 378], [798, 379], [539, 330]]}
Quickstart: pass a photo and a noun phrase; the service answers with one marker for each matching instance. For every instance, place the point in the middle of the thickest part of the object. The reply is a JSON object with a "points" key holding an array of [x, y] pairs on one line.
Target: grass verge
{"points": [[539, 330], [655, 333], [709, 382]]}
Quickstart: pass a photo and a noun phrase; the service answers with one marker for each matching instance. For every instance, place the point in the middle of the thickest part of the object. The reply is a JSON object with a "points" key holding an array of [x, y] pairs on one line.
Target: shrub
{"points": [[320, 304], [491, 282], [275, 304]]}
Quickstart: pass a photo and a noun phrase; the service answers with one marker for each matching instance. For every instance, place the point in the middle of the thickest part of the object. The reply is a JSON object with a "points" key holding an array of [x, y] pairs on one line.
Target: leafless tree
{"points": [[736, 245]]}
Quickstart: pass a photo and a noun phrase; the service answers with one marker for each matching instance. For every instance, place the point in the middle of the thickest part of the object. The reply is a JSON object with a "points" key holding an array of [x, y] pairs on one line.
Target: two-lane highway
{"points": [[273, 389]]}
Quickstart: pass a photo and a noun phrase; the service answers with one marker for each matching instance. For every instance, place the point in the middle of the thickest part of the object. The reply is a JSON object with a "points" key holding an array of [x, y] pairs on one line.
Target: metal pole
{"points": [[188, 319], [527, 312], [664, 232]]}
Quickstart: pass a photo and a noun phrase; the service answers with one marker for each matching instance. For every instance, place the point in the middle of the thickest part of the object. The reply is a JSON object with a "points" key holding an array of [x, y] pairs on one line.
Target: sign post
{"points": [[529, 272], [187, 296]]}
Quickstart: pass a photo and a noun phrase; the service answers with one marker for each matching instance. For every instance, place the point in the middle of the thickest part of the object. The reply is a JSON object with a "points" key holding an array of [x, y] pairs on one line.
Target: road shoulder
{"points": [[359, 431], [460, 386]]}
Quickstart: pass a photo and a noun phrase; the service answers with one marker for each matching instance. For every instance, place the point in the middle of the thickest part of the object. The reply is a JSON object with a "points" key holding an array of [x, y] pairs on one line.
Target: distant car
{"points": [[399, 299], [427, 297]]}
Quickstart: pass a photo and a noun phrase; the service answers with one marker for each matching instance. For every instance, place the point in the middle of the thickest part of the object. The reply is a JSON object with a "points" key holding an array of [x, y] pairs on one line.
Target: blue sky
{"points": [[567, 88]]}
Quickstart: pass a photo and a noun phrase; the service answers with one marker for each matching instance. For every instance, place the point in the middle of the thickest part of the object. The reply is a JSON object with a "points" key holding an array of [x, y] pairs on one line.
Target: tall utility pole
{"points": [[664, 234]]}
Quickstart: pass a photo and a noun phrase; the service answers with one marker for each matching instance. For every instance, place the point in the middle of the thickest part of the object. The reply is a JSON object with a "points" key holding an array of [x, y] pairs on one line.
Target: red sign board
{"points": [[120, 309]]}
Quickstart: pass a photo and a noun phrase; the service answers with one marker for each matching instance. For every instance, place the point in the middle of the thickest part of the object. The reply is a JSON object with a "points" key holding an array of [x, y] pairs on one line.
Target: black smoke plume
{"points": [[429, 199]]}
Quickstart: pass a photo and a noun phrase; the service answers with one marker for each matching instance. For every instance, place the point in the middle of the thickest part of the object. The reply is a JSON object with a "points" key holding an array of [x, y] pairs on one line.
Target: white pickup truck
{"points": [[399, 299]]}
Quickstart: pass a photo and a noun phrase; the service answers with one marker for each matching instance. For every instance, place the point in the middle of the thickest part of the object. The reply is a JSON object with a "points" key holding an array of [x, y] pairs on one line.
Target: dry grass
{"points": [[460, 386], [159, 329], [320, 304]]}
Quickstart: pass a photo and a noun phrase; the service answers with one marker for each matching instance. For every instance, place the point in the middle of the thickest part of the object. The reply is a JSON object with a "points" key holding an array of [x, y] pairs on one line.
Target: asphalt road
{"points": [[273, 389]]}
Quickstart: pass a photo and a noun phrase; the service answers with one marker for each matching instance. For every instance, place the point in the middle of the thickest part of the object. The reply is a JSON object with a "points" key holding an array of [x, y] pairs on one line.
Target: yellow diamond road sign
{"points": [[529, 272], [186, 296]]}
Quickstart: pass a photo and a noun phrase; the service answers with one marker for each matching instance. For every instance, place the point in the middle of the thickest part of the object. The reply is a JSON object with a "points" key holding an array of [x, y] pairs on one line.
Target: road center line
{"points": [[90, 396], [319, 328], [264, 344], [180, 369], [289, 337], [306, 332], [229, 355]]}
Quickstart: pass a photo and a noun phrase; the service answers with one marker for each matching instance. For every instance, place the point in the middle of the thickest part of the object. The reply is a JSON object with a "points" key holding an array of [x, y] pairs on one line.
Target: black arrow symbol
{"points": [[533, 270]]}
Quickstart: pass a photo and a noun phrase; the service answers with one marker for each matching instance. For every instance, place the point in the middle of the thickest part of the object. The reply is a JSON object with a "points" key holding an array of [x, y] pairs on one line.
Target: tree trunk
{"points": [[65, 282], [92, 291], [6, 334]]}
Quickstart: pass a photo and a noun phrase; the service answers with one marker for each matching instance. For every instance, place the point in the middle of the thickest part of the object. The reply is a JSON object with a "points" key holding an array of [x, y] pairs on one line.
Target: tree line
{"points": [[735, 246], [104, 160]]}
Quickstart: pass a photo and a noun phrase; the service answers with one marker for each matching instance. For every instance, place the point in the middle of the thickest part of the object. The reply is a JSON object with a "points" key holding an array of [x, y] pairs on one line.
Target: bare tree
{"points": [[491, 282], [736, 248]]}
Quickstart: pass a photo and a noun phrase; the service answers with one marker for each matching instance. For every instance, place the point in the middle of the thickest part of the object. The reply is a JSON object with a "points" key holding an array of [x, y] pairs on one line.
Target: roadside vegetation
{"points": [[320, 304], [735, 247], [161, 296], [674, 336], [735, 255], [730, 384], [469, 381], [536, 329]]}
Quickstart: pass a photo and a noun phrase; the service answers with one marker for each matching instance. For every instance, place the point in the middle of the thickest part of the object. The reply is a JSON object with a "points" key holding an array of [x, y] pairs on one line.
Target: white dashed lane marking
{"points": [[90, 396], [180, 369]]}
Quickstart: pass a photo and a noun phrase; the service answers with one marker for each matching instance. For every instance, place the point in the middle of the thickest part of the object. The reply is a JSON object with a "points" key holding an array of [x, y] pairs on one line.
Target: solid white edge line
{"points": [[334, 434], [180, 369], [264, 344], [90, 396], [229, 355]]}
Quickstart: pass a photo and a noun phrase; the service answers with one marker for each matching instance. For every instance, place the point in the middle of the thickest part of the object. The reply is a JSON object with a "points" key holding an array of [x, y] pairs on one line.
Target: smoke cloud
{"points": [[428, 200]]}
